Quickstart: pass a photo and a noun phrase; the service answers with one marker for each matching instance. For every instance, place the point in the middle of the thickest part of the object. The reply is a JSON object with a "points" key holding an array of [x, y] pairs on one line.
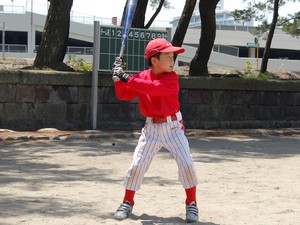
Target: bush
{"points": [[78, 64]]}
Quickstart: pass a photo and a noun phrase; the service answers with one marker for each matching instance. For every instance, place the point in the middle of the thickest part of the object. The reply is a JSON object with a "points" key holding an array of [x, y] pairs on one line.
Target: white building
{"points": [[223, 17]]}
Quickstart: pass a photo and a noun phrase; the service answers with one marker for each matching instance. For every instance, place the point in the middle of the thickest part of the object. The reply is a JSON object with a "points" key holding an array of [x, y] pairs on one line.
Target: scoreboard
{"points": [[110, 45]]}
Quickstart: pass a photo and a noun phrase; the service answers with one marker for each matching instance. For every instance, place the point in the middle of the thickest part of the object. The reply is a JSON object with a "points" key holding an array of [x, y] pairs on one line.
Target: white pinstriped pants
{"points": [[171, 136]]}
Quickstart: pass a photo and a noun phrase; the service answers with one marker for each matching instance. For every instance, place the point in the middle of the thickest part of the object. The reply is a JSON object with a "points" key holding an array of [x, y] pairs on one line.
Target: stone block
{"points": [[43, 94], [65, 94], [271, 98], [127, 111], [184, 96], [48, 111], [110, 112], [217, 98], [78, 112], [195, 96], [8, 93], [2, 116], [233, 98], [25, 93], [84, 94], [15, 111], [253, 98], [297, 98], [269, 112], [103, 95], [292, 112], [287, 98]]}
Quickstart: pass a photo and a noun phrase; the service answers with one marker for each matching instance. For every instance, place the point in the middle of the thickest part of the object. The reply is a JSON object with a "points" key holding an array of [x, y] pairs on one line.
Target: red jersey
{"points": [[158, 94]]}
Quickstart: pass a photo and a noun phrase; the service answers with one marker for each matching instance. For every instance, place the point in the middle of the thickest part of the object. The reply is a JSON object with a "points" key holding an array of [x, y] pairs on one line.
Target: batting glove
{"points": [[120, 75], [119, 63]]}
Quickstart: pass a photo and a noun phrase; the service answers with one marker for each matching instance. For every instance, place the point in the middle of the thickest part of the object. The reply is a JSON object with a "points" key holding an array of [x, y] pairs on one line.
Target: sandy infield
{"points": [[243, 181]]}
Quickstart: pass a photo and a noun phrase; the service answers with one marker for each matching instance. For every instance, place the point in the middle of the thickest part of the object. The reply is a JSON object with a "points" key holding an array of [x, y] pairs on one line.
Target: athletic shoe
{"points": [[123, 211], [191, 213]]}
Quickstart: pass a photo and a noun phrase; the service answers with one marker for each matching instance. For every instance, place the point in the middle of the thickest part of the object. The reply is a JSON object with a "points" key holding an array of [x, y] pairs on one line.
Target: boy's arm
{"points": [[124, 92], [168, 85]]}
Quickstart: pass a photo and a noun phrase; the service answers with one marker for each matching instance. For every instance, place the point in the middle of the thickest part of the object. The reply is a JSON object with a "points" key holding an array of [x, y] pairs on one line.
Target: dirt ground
{"points": [[243, 180]]}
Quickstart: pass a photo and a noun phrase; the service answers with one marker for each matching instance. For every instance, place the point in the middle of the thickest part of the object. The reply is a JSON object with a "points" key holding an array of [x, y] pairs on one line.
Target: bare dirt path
{"points": [[243, 180]]}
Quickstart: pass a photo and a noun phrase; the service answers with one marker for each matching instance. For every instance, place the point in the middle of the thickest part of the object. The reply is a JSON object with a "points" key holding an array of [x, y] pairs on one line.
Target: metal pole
{"points": [[12, 6], [96, 51], [257, 50], [3, 39]]}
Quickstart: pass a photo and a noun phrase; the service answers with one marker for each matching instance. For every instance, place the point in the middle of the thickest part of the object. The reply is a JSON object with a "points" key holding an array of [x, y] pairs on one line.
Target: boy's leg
{"points": [[191, 205], [125, 208], [148, 145], [129, 196], [176, 141], [191, 195], [145, 150]]}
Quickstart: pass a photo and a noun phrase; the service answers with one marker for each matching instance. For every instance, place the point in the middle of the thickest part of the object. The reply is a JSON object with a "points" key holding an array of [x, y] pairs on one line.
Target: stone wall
{"points": [[30, 100]]}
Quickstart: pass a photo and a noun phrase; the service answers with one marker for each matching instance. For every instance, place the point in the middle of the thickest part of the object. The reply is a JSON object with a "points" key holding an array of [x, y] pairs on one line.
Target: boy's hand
{"points": [[119, 74], [118, 70], [119, 62]]}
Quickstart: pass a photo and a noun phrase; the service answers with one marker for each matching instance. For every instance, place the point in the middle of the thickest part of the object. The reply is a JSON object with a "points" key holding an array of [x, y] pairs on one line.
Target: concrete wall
{"points": [[30, 100]]}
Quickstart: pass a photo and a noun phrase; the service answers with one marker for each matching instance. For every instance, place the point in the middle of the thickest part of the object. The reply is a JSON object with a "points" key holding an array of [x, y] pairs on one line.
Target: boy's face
{"points": [[164, 64]]}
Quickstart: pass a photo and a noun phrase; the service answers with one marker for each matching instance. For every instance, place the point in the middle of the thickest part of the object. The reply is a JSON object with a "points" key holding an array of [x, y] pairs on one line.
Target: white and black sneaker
{"points": [[191, 213], [123, 211]]}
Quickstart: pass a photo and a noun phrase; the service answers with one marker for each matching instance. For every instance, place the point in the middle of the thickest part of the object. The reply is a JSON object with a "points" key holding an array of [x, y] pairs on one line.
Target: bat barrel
{"points": [[130, 10]]}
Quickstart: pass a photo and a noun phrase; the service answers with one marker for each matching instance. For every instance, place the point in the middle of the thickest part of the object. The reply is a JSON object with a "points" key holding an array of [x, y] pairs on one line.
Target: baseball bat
{"points": [[129, 14]]}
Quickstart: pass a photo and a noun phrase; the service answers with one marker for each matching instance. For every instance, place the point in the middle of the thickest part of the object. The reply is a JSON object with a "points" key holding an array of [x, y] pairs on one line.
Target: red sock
{"points": [[129, 196], [190, 195]]}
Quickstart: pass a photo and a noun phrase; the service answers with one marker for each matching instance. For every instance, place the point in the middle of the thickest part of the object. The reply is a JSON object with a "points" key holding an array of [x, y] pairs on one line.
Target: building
{"points": [[223, 17], [21, 31]]}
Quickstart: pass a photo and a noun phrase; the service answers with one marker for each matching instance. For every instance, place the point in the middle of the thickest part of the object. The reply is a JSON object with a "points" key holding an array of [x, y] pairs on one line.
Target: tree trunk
{"points": [[161, 4], [264, 63], [55, 36], [139, 15], [198, 66], [140, 12], [184, 22]]}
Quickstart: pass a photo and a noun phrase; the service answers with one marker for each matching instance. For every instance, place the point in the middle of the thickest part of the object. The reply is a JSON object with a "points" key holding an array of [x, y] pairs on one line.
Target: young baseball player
{"points": [[157, 89]]}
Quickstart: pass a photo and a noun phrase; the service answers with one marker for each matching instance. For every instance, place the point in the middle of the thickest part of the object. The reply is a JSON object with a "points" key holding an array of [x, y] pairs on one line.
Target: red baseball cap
{"points": [[161, 45]]}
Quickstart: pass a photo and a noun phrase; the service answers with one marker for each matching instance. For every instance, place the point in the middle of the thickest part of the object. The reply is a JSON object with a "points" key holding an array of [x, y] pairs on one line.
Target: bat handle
{"points": [[122, 51], [119, 62]]}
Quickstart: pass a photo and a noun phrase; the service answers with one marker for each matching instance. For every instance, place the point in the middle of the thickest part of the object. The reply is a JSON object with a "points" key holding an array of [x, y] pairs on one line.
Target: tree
{"points": [[184, 22], [258, 12], [55, 36], [264, 63], [140, 12], [198, 65], [291, 24]]}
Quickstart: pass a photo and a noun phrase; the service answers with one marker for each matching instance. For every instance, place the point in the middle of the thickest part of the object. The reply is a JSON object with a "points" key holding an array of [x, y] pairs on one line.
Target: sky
{"points": [[114, 8]]}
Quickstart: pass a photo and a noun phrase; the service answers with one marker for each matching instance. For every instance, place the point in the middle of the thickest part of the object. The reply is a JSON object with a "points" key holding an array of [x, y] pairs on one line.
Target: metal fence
{"points": [[229, 50]]}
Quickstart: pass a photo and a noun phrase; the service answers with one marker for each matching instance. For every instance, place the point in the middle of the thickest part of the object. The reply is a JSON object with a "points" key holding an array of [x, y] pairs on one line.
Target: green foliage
{"points": [[291, 24], [78, 64], [167, 4], [243, 15], [254, 75], [249, 65], [259, 12]]}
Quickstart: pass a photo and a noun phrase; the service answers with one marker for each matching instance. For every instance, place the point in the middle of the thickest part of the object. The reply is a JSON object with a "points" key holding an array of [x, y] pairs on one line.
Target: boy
{"points": [[157, 89]]}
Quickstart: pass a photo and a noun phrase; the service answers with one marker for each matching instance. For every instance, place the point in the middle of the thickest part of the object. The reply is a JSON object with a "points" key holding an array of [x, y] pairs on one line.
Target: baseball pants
{"points": [[169, 135]]}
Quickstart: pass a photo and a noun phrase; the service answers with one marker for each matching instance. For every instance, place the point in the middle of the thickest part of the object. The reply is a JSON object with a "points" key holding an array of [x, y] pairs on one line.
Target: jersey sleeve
{"points": [[167, 85], [124, 92]]}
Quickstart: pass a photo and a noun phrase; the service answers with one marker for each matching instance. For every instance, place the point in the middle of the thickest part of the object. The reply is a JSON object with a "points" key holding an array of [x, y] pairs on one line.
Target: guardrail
{"points": [[14, 48], [228, 50]]}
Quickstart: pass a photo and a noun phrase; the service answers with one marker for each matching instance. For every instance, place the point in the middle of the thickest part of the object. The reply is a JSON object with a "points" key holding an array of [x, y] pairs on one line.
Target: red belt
{"points": [[163, 119]]}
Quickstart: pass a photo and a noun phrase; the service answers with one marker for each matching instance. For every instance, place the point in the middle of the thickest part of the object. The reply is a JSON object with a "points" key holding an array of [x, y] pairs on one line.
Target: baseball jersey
{"points": [[158, 94]]}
